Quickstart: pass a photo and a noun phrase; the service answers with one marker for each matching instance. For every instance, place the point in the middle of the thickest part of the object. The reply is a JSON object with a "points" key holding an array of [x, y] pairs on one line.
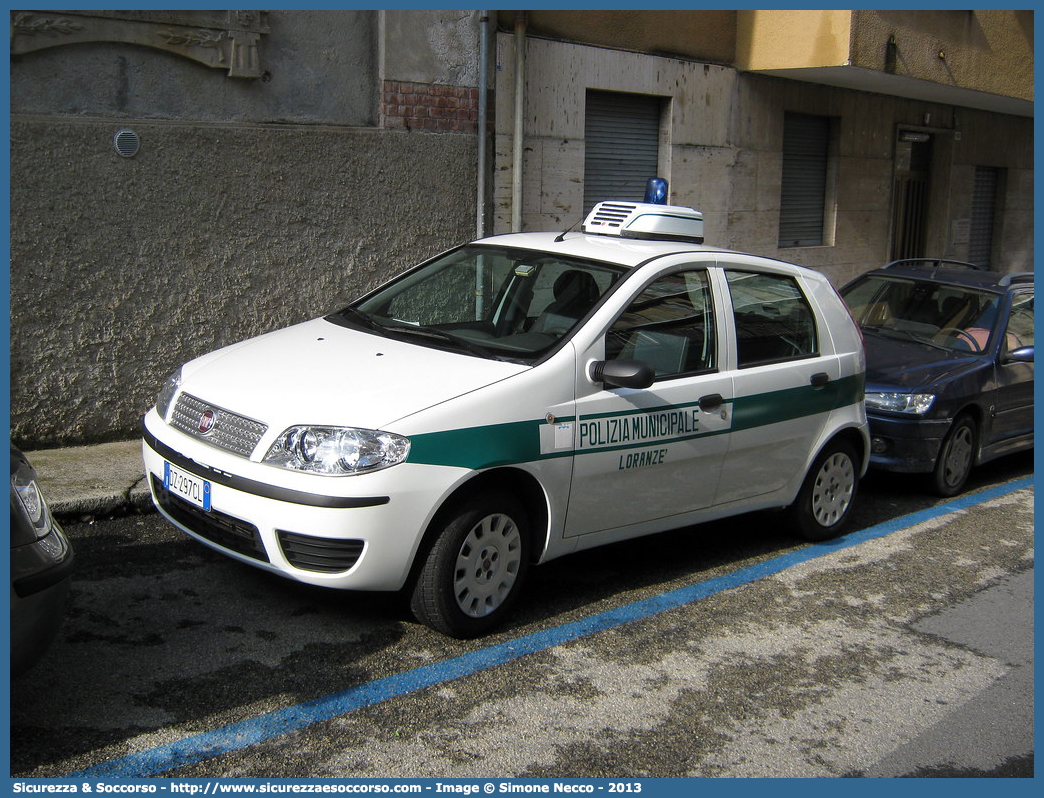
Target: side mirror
{"points": [[1024, 354], [623, 373]]}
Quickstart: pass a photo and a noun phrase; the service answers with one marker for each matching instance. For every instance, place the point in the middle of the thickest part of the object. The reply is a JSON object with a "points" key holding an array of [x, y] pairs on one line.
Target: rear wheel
{"points": [[821, 509], [475, 568], [956, 456]]}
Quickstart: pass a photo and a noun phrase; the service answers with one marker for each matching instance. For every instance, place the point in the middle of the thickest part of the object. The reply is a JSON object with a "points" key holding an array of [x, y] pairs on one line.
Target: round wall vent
{"points": [[127, 143]]}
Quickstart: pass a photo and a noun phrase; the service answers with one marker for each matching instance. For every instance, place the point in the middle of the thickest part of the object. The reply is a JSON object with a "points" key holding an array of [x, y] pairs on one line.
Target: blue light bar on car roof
{"points": [[656, 191]]}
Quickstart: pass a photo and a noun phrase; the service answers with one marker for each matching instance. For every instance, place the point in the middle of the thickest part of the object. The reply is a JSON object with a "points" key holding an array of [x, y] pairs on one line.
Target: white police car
{"points": [[514, 400]]}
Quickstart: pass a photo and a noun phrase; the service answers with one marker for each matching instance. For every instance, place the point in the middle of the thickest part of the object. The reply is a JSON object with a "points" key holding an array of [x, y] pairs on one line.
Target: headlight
{"points": [[166, 393], [336, 451], [31, 502], [913, 403]]}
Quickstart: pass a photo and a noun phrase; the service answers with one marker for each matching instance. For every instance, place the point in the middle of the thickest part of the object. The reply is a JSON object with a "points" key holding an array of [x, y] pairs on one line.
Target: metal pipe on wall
{"points": [[480, 189], [520, 82]]}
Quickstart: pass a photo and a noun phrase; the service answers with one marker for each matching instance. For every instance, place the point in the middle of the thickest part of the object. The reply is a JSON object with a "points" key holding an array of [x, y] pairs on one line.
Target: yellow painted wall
{"points": [[792, 39], [990, 51]]}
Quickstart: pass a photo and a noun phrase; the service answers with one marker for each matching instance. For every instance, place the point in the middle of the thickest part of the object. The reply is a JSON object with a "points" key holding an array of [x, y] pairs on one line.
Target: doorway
{"points": [[913, 159]]}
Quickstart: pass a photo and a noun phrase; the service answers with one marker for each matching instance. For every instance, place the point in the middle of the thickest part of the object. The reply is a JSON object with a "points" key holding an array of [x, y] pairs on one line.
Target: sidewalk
{"points": [[107, 479]]}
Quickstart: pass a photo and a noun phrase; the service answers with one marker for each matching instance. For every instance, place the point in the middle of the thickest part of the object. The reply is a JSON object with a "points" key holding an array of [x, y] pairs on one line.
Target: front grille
{"points": [[217, 527], [229, 431], [325, 555]]}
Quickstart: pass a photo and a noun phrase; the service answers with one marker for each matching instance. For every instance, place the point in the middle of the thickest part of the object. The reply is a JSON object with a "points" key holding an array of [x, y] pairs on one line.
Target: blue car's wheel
{"points": [[956, 457]]}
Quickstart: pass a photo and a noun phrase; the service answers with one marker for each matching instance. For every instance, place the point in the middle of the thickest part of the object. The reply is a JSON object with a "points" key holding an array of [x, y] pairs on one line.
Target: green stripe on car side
{"points": [[479, 447], [750, 412], [519, 441]]}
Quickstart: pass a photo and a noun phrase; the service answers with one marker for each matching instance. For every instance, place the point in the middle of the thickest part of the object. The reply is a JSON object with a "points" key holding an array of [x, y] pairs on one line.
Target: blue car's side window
{"points": [[1020, 323]]}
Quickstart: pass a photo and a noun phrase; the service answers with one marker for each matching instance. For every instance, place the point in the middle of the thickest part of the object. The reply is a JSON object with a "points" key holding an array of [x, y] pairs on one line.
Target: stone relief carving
{"points": [[219, 39]]}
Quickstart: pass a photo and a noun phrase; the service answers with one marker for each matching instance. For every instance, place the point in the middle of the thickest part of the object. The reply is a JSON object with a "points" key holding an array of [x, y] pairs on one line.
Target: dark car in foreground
{"points": [[949, 377], [41, 568]]}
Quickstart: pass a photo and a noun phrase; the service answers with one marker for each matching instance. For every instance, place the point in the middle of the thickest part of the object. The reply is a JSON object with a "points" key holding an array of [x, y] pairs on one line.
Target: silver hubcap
{"points": [[958, 457], [487, 565], [832, 493]]}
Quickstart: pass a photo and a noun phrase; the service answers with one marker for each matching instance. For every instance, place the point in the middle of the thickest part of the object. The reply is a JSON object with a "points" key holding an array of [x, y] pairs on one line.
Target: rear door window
{"points": [[774, 321]]}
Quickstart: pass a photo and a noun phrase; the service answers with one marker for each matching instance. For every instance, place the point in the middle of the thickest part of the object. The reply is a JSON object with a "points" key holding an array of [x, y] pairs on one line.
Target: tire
{"points": [[475, 568], [954, 463], [822, 507]]}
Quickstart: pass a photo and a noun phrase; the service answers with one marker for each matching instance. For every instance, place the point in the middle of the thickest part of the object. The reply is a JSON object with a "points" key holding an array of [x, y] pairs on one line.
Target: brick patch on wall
{"points": [[429, 106]]}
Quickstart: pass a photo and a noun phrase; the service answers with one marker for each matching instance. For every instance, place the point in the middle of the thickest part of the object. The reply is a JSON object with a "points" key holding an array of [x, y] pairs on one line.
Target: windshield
{"points": [[487, 301], [946, 316]]}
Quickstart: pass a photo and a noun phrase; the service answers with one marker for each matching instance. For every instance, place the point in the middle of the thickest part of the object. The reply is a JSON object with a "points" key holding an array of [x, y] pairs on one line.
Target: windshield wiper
{"points": [[357, 317], [902, 335], [442, 335]]}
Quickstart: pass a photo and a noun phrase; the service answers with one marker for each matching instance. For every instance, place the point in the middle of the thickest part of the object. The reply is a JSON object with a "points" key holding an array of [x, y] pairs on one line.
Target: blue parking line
{"points": [[255, 730]]}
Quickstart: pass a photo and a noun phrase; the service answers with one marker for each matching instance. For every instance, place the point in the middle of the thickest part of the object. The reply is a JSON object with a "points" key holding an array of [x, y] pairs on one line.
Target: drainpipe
{"points": [[520, 82], [480, 209], [480, 189]]}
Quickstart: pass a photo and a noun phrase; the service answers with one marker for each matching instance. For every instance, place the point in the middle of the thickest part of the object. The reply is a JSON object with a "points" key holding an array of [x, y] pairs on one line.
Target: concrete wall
{"points": [[722, 153], [250, 205], [706, 35], [866, 130], [315, 69], [430, 46], [697, 151], [1006, 143]]}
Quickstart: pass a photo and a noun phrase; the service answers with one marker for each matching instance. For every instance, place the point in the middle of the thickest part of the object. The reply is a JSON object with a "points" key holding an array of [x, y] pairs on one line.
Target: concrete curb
{"points": [[89, 481]]}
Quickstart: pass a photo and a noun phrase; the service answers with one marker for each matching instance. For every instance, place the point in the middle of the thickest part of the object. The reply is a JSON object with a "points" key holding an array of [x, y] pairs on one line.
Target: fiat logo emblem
{"points": [[206, 422]]}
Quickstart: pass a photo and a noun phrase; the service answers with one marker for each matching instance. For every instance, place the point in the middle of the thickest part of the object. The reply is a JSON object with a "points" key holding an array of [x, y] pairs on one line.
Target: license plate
{"points": [[188, 486]]}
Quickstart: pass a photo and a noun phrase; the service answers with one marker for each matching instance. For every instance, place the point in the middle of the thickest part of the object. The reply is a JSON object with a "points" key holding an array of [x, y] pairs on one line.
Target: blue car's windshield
{"points": [[947, 316]]}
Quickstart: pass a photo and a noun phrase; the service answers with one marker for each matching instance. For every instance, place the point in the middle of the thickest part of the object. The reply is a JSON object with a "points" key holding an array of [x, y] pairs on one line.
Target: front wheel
{"points": [[475, 568], [821, 509], [956, 457]]}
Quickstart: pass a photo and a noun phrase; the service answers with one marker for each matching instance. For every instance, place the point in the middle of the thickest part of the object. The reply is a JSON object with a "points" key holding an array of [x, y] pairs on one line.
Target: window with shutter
{"points": [[983, 214], [806, 156], [622, 145]]}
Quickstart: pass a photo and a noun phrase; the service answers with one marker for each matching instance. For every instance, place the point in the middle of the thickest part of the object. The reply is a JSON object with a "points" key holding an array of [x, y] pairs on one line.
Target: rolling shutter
{"points": [[622, 138], [806, 141], [984, 205]]}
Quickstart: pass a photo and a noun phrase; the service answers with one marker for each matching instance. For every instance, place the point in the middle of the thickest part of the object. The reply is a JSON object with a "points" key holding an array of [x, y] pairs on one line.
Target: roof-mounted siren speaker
{"points": [[649, 219]]}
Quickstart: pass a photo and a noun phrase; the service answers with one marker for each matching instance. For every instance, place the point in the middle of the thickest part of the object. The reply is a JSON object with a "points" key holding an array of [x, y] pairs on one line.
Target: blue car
{"points": [[949, 376]]}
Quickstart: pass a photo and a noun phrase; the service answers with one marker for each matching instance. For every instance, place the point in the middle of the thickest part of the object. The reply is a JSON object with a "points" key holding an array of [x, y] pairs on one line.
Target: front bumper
{"points": [[906, 445], [360, 532]]}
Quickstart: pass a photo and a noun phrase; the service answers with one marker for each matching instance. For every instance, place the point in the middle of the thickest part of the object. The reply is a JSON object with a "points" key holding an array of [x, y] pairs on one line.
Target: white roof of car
{"points": [[624, 251], [629, 252]]}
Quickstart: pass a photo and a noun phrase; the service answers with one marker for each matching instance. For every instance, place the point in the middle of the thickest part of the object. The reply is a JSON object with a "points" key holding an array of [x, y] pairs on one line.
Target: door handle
{"points": [[819, 379], [711, 402]]}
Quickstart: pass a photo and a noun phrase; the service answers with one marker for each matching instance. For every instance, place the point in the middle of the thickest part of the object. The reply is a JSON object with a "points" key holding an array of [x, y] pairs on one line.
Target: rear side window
{"points": [[774, 321], [670, 325], [1020, 324]]}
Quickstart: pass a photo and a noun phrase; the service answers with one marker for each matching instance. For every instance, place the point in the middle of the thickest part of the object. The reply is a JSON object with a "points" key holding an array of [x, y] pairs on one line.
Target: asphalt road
{"points": [[725, 650]]}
